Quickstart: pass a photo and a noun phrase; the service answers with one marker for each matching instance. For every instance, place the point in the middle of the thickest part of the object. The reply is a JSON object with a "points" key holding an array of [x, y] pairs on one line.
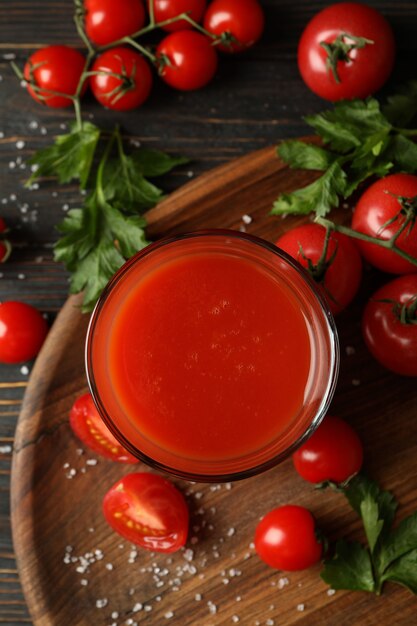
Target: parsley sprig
{"points": [[391, 552]]}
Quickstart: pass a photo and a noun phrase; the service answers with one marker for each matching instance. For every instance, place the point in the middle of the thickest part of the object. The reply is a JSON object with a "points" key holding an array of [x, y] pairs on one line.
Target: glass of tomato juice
{"points": [[212, 355]]}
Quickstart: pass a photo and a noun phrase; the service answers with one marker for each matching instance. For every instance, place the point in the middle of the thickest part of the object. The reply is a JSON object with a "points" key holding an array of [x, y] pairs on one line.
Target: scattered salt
{"points": [[101, 603], [5, 449], [300, 607], [20, 144], [247, 219], [169, 614], [138, 607], [24, 370], [331, 592]]}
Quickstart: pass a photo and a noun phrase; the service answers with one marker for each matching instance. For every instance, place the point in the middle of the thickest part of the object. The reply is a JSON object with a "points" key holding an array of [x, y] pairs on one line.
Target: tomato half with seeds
{"points": [[286, 538], [338, 274], [168, 9], [187, 60], [389, 325], [22, 332], [88, 426], [132, 85], [346, 51], [54, 68], [239, 22], [149, 511], [333, 453], [107, 21], [380, 212]]}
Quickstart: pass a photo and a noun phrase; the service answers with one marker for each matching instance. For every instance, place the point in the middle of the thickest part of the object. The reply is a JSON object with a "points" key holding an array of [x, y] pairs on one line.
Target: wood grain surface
{"points": [[52, 510], [255, 100]]}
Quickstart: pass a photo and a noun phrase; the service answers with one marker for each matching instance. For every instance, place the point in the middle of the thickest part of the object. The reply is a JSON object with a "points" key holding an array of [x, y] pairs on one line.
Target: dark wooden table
{"points": [[255, 100]]}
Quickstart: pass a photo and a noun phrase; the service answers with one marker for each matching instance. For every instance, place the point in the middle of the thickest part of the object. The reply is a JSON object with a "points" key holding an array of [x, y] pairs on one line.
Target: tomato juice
{"points": [[211, 355]]}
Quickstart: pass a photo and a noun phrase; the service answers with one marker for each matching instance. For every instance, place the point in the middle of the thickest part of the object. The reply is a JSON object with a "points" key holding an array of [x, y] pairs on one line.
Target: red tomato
{"points": [[241, 22], [149, 511], [22, 332], [55, 68], [338, 281], [333, 453], [378, 206], [121, 94], [286, 539], [88, 426], [187, 60], [361, 70], [167, 9], [390, 328], [107, 21]]}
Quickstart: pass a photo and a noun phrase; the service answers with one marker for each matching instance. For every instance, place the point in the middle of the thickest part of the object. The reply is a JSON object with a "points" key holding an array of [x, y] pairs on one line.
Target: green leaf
{"points": [[349, 123], [401, 107], [71, 156], [404, 571], [399, 541], [319, 197], [361, 489], [128, 231], [299, 154], [355, 177], [94, 271], [404, 152], [350, 568], [371, 521], [152, 163]]}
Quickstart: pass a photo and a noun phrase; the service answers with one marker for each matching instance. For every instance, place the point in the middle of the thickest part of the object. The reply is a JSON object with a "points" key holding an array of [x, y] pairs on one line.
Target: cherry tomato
{"points": [[378, 214], [22, 332], [339, 281], [360, 67], [187, 60], [333, 453], [286, 539], [389, 325], [167, 9], [149, 511], [54, 68], [107, 21], [239, 22], [121, 94], [88, 426]]}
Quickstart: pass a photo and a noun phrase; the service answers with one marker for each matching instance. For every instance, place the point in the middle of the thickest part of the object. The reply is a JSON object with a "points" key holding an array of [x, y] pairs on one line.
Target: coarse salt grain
{"points": [[24, 370], [283, 582], [114, 615], [247, 219], [109, 566], [138, 607], [235, 619], [212, 607], [101, 603], [198, 597], [301, 607], [231, 532], [169, 614], [91, 462], [331, 592], [20, 144], [269, 622], [84, 582], [5, 449]]}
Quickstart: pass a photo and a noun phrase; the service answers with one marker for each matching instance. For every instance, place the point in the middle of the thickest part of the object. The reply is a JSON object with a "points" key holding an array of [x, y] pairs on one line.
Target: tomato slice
{"points": [[88, 426], [149, 511]]}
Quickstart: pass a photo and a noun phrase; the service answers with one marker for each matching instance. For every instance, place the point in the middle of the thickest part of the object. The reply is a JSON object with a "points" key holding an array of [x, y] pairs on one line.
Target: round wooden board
{"points": [[219, 571]]}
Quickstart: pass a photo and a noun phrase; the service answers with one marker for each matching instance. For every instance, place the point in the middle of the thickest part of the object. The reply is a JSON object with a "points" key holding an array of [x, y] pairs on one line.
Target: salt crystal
{"points": [[283, 582], [12, 165], [9, 56], [269, 622], [169, 614], [138, 607], [300, 607], [13, 195], [33, 124], [212, 607], [198, 597], [20, 144], [5, 449], [231, 532], [24, 370], [109, 566], [114, 615], [101, 603], [235, 619], [246, 219], [331, 592], [91, 462], [188, 554], [84, 582], [147, 608]]}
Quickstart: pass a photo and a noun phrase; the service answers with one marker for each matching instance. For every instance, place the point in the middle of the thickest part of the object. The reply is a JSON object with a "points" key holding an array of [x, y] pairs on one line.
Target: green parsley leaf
{"points": [[401, 108], [125, 186], [70, 157], [372, 523], [153, 163], [299, 154], [362, 489], [349, 123], [350, 568], [401, 540], [404, 571], [404, 152], [320, 196]]}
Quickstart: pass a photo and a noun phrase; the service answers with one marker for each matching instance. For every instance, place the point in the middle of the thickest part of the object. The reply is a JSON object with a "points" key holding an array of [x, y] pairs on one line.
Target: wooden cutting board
{"points": [[58, 486]]}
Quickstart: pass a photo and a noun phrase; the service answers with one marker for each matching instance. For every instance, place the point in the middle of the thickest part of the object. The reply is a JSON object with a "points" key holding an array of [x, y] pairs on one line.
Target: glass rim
{"points": [[334, 358]]}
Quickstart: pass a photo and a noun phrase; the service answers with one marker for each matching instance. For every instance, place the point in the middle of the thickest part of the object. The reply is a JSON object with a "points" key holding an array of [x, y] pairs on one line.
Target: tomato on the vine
{"points": [[22, 332], [286, 539], [333, 453], [380, 212], [389, 325], [88, 426], [239, 22], [338, 274], [346, 51], [187, 60], [130, 88], [57, 69], [107, 21], [149, 511], [168, 9]]}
